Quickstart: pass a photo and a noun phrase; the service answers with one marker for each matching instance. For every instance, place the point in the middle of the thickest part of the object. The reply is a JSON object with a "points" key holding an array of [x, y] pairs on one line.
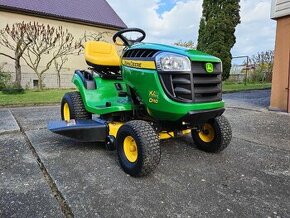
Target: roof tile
{"points": [[97, 12]]}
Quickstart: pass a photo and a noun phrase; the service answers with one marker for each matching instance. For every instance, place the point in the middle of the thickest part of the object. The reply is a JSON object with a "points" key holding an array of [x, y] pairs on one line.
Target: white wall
{"points": [[280, 8]]}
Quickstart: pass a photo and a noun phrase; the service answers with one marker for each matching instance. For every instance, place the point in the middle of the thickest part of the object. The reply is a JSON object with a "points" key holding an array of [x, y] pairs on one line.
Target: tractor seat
{"points": [[102, 56]]}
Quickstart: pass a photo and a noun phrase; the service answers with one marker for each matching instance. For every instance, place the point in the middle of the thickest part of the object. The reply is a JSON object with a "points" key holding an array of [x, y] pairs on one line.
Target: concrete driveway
{"points": [[46, 175]]}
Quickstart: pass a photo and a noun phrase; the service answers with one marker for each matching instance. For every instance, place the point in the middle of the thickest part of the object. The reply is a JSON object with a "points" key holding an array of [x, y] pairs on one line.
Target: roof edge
{"points": [[59, 18]]}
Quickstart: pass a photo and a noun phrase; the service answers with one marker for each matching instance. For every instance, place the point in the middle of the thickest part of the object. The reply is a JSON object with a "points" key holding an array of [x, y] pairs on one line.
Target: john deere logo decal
{"points": [[209, 67]]}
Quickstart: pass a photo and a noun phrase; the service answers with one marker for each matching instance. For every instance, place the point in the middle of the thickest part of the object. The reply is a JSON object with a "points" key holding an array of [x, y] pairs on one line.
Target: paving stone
{"points": [[23, 190], [7, 122]]}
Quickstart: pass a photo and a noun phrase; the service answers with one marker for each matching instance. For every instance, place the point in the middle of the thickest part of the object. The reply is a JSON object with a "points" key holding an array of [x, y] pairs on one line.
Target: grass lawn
{"points": [[230, 87], [31, 97], [53, 96]]}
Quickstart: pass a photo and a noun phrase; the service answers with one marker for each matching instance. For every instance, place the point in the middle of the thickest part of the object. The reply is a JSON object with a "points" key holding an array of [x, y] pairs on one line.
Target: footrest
{"points": [[81, 130]]}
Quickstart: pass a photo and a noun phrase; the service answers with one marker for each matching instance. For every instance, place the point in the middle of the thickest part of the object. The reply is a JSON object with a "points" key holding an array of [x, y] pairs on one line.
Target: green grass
{"points": [[53, 96], [50, 96], [233, 87]]}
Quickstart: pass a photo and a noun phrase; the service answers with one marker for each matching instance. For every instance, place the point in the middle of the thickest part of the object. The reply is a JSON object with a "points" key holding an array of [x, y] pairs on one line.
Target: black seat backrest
{"points": [[87, 78]]}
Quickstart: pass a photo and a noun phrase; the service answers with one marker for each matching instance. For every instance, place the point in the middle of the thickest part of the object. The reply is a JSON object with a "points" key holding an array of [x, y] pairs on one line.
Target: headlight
{"points": [[172, 62]]}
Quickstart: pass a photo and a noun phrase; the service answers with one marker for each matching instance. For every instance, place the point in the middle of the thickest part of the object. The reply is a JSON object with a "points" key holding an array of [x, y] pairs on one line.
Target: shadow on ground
{"points": [[249, 179]]}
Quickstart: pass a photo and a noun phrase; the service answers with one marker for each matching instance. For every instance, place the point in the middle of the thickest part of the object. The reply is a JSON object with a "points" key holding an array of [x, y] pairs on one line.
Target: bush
{"points": [[257, 77], [4, 79], [12, 89], [260, 75]]}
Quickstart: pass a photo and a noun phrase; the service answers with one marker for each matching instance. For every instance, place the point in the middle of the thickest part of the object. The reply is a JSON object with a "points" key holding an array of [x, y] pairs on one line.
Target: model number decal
{"points": [[153, 97]]}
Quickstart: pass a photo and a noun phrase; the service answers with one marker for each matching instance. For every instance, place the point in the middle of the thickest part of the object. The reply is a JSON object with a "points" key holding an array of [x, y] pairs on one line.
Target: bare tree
{"points": [[76, 50], [47, 44], [15, 39], [100, 36], [187, 44], [58, 65]]}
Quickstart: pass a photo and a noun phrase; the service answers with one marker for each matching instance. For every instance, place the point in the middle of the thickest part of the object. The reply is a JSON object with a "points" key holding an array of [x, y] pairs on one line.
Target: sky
{"points": [[169, 21]]}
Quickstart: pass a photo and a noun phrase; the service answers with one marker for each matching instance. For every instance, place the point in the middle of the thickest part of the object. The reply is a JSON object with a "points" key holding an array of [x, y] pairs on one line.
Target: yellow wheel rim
{"points": [[207, 133], [66, 112], [130, 149]]}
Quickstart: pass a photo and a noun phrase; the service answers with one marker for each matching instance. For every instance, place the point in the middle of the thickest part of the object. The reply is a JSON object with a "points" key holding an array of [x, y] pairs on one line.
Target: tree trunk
{"points": [[40, 81], [58, 79], [17, 72]]}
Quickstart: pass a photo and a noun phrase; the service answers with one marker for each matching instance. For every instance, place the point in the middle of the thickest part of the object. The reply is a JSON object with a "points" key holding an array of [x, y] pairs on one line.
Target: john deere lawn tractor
{"points": [[151, 93]]}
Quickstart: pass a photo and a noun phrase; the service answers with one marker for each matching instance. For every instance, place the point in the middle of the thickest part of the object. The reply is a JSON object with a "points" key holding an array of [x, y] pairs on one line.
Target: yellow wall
{"points": [[75, 62]]}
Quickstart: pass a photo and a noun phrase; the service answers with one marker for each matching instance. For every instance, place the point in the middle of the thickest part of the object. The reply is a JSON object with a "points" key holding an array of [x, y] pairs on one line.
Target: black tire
{"points": [[221, 139], [76, 106], [148, 148]]}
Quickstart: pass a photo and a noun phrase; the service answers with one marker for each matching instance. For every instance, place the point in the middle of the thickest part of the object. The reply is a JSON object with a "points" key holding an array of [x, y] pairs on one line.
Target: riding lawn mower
{"points": [[152, 92]]}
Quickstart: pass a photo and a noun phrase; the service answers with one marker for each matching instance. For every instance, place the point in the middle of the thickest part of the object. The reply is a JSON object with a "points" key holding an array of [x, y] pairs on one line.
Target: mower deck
{"points": [[81, 130]]}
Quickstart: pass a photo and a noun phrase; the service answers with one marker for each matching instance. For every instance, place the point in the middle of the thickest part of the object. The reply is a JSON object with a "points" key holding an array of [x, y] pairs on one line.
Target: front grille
{"points": [[196, 86]]}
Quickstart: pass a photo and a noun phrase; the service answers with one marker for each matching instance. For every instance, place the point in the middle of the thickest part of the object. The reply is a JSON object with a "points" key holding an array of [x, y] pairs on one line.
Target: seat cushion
{"points": [[101, 54]]}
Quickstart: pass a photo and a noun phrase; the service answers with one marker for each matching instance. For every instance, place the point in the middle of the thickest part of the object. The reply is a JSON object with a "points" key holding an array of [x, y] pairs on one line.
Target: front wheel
{"points": [[138, 148], [214, 136]]}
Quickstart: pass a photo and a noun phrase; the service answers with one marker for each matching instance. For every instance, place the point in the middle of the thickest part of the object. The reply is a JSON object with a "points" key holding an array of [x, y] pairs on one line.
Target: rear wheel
{"points": [[138, 148], [72, 107], [214, 136]]}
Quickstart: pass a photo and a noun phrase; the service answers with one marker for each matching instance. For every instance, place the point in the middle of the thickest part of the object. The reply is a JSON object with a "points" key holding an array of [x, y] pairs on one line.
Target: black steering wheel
{"points": [[128, 42]]}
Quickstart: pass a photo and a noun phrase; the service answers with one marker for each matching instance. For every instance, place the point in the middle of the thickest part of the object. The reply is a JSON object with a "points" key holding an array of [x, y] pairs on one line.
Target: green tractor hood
{"points": [[192, 54]]}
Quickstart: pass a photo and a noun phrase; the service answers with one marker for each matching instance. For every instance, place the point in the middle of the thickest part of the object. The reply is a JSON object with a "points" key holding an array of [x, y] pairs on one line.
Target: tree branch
{"points": [[6, 55]]}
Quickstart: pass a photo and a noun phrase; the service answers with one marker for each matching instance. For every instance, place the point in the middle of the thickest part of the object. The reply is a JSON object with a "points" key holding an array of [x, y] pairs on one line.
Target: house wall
{"points": [[280, 95], [280, 8], [50, 77]]}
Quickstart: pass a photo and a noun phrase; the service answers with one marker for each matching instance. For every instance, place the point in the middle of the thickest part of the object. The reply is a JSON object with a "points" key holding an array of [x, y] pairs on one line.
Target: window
{"points": [[35, 83]]}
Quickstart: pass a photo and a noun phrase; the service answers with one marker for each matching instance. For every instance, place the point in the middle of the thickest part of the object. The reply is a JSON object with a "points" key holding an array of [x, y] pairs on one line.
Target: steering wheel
{"points": [[128, 42]]}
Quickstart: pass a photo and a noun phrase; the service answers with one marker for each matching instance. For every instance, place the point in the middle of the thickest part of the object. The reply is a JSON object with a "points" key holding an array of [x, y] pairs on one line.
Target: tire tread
{"points": [[223, 136], [151, 151], [78, 109]]}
